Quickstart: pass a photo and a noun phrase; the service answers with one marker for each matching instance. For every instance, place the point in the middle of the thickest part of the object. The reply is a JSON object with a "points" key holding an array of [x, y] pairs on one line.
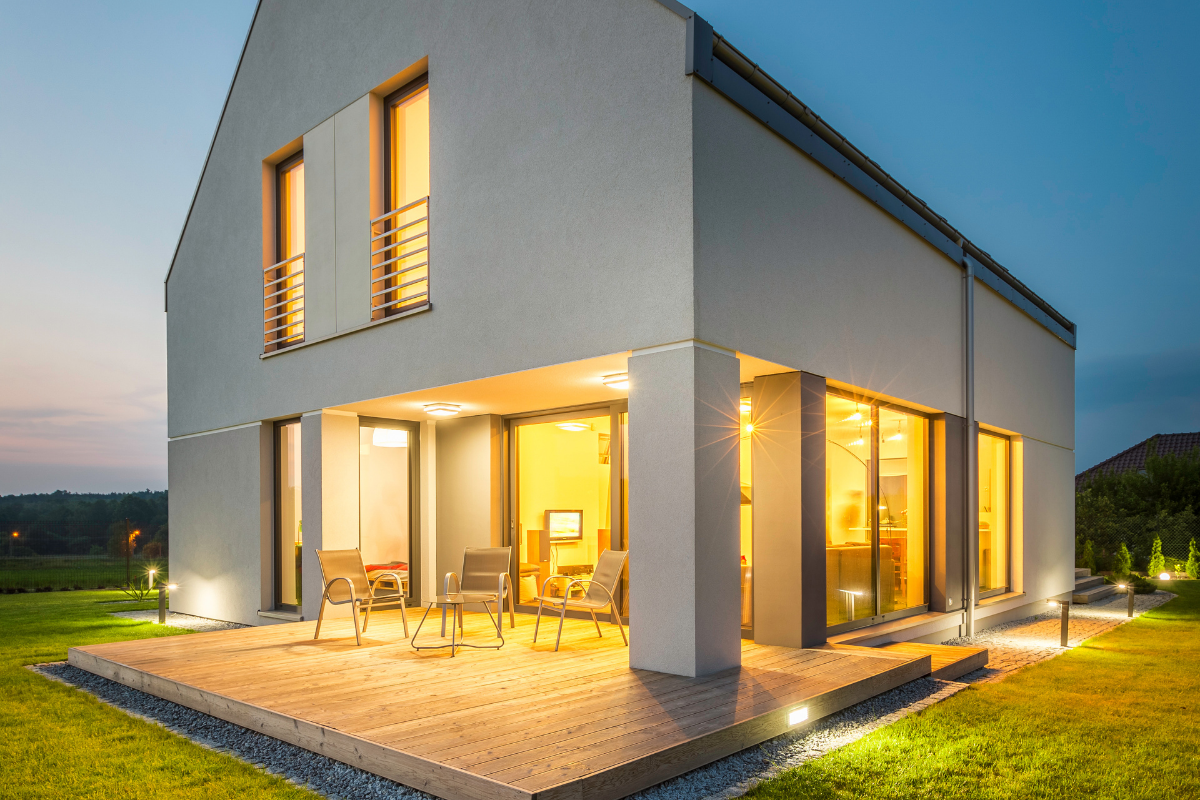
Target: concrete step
{"points": [[1087, 583], [1082, 572], [1093, 594]]}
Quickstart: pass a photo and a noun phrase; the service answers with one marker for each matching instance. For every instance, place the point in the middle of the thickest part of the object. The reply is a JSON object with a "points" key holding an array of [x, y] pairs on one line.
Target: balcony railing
{"points": [[400, 260], [283, 304]]}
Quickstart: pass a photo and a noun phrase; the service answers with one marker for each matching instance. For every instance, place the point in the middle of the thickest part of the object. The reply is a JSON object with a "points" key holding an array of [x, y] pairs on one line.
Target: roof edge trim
{"points": [[207, 156]]}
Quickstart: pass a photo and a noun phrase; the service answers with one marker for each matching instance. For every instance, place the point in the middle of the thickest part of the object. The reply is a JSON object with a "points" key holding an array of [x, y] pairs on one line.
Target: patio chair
{"points": [[346, 581], [601, 591], [484, 572]]}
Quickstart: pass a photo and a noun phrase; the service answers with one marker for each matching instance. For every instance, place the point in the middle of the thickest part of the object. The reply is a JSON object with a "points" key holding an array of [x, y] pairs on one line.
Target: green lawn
{"points": [[79, 572], [59, 742], [1089, 723]]}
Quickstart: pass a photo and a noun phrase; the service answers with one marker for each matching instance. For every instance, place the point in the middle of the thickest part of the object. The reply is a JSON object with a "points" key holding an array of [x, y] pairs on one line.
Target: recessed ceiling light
{"points": [[441, 409], [618, 381]]}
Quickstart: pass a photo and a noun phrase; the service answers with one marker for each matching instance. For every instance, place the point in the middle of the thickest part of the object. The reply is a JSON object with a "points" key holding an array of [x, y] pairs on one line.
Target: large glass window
{"points": [[563, 497], [993, 514], [876, 523], [400, 237], [385, 499], [746, 527], [289, 525], [283, 282]]}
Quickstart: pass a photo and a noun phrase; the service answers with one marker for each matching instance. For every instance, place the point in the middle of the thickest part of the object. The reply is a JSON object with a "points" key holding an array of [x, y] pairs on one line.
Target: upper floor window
{"points": [[400, 236], [283, 281]]}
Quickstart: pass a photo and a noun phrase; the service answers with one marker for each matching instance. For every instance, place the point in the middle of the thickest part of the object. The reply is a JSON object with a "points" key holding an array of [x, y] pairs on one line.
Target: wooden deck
{"points": [[948, 662], [520, 722]]}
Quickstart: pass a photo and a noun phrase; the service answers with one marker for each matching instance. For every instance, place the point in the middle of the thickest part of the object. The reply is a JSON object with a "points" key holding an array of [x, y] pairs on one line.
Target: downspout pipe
{"points": [[971, 456], [739, 63]]}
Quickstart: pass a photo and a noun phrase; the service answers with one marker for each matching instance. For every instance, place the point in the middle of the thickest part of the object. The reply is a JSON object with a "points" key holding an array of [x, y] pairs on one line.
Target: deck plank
{"points": [[520, 722]]}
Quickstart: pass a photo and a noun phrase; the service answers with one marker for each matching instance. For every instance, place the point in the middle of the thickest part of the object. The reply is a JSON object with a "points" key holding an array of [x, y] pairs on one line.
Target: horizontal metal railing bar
{"points": [[399, 286], [281, 263], [400, 243], [400, 257], [283, 327], [296, 287], [401, 300], [284, 278], [280, 341], [396, 211], [289, 301], [292, 313], [399, 272], [397, 229]]}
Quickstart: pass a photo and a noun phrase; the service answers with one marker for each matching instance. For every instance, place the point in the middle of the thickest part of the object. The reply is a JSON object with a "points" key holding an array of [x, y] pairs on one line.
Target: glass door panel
{"points": [[902, 510], [385, 508], [993, 514], [849, 518], [746, 525], [563, 498], [289, 527]]}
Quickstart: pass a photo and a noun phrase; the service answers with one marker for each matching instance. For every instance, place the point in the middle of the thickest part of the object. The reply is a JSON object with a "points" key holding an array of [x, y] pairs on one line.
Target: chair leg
{"points": [[367, 618], [443, 622], [561, 617], [537, 622], [598, 633], [620, 627], [354, 615], [512, 615], [404, 614], [320, 617]]}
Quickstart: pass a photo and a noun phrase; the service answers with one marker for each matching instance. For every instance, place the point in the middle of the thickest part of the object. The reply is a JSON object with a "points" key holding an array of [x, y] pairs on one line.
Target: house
{"points": [[579, 277], [1133, 459]]}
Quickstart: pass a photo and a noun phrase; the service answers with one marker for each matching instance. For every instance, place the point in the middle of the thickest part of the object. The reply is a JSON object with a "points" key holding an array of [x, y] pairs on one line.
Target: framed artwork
{"points": [[564, 525]]}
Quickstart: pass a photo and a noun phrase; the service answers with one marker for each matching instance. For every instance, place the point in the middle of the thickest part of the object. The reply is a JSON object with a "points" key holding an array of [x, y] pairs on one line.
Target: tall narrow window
{"points": [[746, 525], [283, 281], [289, 525], [400, 236], [876, 513], [385, 497], [993, 514]]}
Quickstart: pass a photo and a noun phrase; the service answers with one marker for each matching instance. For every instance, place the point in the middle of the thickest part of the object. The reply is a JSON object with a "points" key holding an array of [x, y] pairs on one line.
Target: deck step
{"points": [[1089, 582], [1082, 572], [1093, 594], [949, 662]]}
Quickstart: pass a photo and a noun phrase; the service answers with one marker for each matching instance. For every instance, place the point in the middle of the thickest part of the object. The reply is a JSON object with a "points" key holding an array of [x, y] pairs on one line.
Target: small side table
{"points": [[456, 602]]}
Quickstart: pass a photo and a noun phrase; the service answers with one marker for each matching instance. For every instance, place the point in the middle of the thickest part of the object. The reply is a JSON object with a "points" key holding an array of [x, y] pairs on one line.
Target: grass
{"points": [[1089, 723], [71, 572], [60, 742]]}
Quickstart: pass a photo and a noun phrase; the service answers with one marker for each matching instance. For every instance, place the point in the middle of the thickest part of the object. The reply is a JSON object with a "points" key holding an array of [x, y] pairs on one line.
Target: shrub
{"points": [[1193, 562], [97, 550], [1158, 564], [1140, 585], [152, 550], [1123, 563], [1087, 558]]}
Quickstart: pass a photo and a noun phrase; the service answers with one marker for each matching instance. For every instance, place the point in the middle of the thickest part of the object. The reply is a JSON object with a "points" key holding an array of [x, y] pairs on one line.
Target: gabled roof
{"points": [[1134, 459]]}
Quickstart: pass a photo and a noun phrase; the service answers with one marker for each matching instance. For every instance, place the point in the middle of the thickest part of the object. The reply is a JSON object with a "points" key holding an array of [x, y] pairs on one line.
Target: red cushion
{"points": [[395, 566]]}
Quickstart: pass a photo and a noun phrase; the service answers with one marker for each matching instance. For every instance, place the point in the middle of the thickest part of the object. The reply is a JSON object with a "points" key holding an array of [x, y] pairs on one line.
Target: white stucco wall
{"points": [[561, 200]]}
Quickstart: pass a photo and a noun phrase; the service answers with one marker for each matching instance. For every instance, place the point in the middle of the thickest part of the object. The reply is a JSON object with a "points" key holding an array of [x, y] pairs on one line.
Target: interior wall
{"points": [[215, 513], [468, 489], [796, 267]]}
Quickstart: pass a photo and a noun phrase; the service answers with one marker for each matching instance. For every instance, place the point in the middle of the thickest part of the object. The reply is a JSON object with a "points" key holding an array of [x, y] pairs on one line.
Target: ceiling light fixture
{"points": [[619, 380], [441, 409], [388, 437], [857, 443], [745, 406], [575, 427]]}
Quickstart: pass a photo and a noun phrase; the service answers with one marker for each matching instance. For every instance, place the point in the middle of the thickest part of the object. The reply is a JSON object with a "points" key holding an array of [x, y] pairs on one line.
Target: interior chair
{"points": [[601, 591], [346, 581], [484, 572]]}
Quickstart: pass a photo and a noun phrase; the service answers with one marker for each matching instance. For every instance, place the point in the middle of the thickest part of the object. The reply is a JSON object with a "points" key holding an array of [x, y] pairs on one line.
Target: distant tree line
{"points": [[85, 524], [1136, 509]]}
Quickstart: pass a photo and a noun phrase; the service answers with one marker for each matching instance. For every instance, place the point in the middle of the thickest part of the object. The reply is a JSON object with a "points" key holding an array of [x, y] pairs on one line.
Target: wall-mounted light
{"points": [[750, 428], [619, 380], [797, 715], [441, 409], [575, 427], [388, 437]]}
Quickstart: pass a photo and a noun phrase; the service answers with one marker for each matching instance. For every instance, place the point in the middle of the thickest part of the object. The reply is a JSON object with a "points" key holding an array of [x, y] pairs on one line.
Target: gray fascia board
{"points": [[678, 8], [752, 100], [207, 156]]}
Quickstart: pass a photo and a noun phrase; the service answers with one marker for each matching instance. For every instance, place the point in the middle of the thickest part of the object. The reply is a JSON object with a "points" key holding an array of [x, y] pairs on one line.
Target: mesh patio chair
{"points": [[601, 590], [346, 581], [484, 572]]}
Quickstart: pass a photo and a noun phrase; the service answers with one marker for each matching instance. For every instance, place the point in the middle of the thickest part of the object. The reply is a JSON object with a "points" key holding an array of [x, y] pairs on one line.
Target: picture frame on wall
{"points": [[564, 525]]}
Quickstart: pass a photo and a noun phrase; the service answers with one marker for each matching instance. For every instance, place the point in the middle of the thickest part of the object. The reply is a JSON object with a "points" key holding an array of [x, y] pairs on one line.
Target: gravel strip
{"points": [[296, 765], [180, 620]]}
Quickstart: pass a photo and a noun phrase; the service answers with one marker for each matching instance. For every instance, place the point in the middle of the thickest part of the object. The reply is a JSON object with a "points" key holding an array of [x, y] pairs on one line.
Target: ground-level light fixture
{"points": [[389, 437], [441, 409], [162, 601], [575, 426], [1164, 576], [1065, 605], [1128, 591], [797, 715], [619, 380]]}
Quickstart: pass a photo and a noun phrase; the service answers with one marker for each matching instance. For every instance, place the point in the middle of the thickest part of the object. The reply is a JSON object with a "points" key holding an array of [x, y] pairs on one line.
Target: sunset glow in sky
{"points": [[1059, 136]]}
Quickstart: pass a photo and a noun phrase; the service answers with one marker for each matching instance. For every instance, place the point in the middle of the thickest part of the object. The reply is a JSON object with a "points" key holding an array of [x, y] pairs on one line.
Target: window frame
{"points": [[875, 405], [1008, 485], [395, 98], [280, 168], [277, 521], [414, 493]]}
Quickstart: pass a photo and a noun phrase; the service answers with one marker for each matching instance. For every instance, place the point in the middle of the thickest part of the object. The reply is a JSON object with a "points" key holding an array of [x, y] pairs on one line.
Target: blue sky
{"points": [[1058, 136]]}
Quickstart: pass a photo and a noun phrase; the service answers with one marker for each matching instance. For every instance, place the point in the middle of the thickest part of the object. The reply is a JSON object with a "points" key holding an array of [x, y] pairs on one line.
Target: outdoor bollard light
{"points": [[1128, 587], [1065, 605], [162, 604]]}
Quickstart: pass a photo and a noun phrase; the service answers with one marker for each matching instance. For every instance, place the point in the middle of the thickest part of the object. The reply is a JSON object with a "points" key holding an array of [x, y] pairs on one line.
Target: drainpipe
{"points": [[970, 488]]}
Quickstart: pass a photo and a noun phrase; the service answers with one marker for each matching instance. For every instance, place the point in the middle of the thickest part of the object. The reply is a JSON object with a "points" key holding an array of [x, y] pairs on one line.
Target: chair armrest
{"points": [[580, 581], [546, 582], [391, 575], [457, 584], [349, 583]]}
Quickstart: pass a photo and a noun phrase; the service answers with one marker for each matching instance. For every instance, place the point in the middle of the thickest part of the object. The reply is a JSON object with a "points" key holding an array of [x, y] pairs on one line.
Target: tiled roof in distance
{"points": [[1134, 459]]}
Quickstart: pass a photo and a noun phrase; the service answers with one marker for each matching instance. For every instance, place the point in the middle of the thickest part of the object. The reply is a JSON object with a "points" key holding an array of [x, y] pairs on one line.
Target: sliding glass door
{"points": [[387, 466], [993, 514], [876, 511], [289, 525]]}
